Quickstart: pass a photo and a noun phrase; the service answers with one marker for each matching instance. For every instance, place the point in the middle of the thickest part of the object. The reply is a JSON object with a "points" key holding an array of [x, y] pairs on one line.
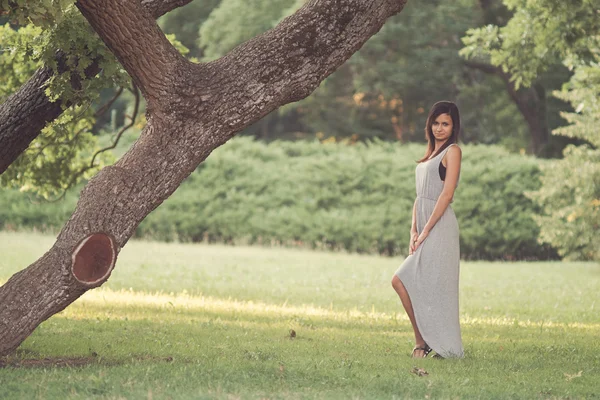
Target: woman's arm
{"points": [[453, 159], [414, 234], [413, 228]]}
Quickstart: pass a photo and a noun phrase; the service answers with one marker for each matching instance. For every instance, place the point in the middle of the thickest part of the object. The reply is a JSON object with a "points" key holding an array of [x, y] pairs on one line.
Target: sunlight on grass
{"points": [[126, 301], [128, 298]]}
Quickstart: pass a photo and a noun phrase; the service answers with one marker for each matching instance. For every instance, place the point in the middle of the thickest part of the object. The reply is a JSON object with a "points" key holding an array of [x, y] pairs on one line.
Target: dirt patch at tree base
{"points": [[70, 362], [49, 362]]}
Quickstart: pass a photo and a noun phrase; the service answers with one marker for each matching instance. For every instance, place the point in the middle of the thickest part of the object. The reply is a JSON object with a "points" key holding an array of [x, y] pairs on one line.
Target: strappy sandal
{"points": [[426, 349]]}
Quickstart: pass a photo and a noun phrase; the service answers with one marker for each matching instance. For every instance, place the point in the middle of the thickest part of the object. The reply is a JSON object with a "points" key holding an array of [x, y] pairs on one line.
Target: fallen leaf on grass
{"points": [[419, 371], [573, 376]]}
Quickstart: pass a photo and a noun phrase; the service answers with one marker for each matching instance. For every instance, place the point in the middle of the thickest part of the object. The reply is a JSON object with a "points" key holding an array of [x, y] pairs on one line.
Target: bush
{"points": [[570, 196], [21, 211], [356, 198], [495, 217]]}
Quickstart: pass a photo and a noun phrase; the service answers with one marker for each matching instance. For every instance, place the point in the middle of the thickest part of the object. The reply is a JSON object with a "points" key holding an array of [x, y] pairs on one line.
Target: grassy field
{"points": [[194, 321]]}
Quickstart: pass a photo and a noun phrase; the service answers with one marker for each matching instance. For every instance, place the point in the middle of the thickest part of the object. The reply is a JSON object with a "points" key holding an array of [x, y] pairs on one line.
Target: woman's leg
{"points": [[405, 298]]}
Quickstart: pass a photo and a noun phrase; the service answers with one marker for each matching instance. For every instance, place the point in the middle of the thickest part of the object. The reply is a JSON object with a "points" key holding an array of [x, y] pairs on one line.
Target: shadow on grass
{"points": [[23, 359]]}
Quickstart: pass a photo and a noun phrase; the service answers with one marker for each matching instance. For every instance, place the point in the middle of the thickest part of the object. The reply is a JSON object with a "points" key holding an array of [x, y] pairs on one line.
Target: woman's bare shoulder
{"points": [[454, 150]]}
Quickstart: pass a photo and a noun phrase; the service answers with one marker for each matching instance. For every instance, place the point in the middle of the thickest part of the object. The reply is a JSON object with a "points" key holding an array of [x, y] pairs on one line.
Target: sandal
{"points": [[426, 349]]}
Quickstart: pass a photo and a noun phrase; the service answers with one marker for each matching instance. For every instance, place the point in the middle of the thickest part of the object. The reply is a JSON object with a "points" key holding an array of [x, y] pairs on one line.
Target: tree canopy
{"points": [[540, 33]]}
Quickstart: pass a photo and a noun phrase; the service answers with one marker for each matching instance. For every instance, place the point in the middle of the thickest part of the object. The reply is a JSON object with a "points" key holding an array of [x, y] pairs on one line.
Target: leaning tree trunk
{"points": [[25, 113], [192, 109]]}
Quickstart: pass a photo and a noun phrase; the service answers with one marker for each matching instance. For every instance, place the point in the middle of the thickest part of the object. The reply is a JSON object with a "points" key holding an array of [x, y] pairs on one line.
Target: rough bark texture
{"points": [[530, 101], [50, 284], [25, 113], [192, 109]]}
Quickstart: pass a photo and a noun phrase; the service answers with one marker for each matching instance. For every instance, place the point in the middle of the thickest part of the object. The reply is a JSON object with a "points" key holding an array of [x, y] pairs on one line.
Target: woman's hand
{"points": [[413, 240], [420, 239]]}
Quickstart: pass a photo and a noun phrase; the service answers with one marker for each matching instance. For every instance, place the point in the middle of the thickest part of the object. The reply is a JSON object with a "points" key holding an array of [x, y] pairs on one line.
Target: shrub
{"points": [[356, 198]]}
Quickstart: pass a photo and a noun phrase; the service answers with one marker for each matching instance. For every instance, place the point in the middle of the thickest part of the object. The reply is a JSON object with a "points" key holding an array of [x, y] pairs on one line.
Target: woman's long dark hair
{"points": [[439, 108]]}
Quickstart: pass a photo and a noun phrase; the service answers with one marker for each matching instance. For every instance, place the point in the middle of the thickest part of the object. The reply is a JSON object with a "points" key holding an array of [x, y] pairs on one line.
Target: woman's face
{"points": [[442, 127]]}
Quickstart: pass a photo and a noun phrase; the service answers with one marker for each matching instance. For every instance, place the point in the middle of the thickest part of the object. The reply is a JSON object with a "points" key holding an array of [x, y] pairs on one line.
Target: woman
{"points": [[427, 281]]}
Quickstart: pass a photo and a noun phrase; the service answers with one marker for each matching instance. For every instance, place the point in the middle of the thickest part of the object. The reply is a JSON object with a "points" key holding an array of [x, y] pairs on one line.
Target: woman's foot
{"points": [[421, 351]]}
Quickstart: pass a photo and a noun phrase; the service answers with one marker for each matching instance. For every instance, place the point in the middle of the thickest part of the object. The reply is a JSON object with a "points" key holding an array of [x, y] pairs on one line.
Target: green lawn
{"points": [[197, 321]]}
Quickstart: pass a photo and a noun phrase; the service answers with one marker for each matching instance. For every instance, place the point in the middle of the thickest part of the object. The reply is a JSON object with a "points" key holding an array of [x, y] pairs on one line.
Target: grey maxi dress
{"points": [[430, 274]]}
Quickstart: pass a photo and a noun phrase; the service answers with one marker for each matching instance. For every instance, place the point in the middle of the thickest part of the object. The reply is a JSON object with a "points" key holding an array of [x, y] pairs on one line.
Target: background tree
{"points": [[191, 109], [534, 101], [540, 34], [570, 193]]}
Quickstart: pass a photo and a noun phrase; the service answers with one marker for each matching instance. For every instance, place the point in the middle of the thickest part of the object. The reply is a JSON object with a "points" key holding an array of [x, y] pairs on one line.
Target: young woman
{"points": [[427, 281]]}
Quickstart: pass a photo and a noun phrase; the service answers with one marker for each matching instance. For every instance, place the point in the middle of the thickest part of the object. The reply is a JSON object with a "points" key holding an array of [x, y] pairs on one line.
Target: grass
{"points": [[196, 321]]}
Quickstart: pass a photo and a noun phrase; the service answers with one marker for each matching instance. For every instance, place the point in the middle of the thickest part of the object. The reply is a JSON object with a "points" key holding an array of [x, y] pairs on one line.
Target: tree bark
{"points": [[193, 109], [531, 102], [25, 113]]}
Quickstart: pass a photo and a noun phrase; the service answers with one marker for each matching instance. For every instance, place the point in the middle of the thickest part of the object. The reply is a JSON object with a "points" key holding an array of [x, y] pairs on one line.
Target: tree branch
{"points": [[26, 112], [484, 67], [132, 34], [133, 117], [283, 65], [158, 8], [23, 115], [109, 104]]}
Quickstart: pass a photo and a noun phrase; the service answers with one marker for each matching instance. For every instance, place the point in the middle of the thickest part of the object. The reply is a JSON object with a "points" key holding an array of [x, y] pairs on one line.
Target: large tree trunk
{"points": [[25, 113], [192, 109]]}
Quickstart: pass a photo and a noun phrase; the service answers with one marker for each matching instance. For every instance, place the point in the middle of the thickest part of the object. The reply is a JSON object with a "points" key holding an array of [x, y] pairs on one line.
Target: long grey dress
{"points": [[430, 274]]}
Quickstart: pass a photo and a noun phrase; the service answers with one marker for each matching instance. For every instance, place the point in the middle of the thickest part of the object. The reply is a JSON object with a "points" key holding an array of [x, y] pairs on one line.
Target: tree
{"points": [[540, 34], [483, 48], [191, 110], [570, 192], [412, 86]]}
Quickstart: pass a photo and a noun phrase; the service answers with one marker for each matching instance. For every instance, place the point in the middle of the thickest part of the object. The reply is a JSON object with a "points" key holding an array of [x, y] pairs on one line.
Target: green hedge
{"points": [[352, 197], [20, 211]]}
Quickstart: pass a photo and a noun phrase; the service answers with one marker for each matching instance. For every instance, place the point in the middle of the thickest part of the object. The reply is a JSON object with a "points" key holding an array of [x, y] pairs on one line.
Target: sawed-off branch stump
{"points": [[46, 292]]}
